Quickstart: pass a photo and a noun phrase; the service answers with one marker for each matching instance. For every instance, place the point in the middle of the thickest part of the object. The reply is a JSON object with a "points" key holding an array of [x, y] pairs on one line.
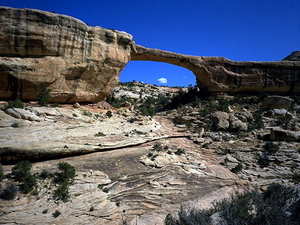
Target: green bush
{"points": [[21, 170], [66, 173], [29, 183], [250, 207], [271, 148], [179, 151], [62, 192], [296, 178], [1, 172], [16, 104], [238, 168], [56, 213], [257, 122], [64, 177], [157, 147], [9, 192], [109, 114], [189, 217], [44, 174], [43, 98], [263, 161]]}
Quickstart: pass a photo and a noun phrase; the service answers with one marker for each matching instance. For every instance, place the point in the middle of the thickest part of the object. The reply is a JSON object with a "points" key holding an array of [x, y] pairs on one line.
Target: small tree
{"points": [[43, 98], [21, 171], [9, 192]]}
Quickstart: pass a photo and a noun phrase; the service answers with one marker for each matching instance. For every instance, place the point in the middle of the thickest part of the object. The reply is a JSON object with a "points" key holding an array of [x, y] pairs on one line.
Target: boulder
{"points": [[238, 125], [220, 120], [276, 102], [278, 134]]}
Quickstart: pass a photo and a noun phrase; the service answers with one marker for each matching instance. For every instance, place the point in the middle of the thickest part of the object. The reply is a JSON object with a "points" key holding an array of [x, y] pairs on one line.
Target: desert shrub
{"points": [[157, 147], [21, 170], [263, 161], [29, 183], [9, 192], [188, 125], [147, 111], [62, 192], [257, 122], [43, 97], [64, 177], [250, 207], [238, 168], [109, 114], [180, 151], [100, 134], [189, 217], [16, 104], [271, 148], [223, 105], [66, 173], [44, 174], [56, 213], [285, 121], [296, 99], [296, 178], [45, 211], [1, 172], [87, 113]]}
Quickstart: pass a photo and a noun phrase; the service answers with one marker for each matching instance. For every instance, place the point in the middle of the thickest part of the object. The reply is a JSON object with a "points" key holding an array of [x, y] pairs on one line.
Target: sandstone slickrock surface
{"points": [[40, 50], [218, 74], [127, 176]]}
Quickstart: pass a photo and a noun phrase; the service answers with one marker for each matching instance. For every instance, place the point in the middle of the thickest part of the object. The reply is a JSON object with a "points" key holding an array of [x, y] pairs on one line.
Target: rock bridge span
{"points": [[218, 74], [80, 63]]}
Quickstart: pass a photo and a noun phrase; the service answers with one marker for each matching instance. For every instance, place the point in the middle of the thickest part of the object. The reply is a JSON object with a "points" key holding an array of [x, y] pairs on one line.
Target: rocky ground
{"points": [[134, 169]]}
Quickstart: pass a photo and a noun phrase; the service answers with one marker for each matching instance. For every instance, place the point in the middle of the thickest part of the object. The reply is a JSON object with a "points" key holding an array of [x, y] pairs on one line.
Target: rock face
{"points": [[276, 102], [217, 74], [82, 64], [294, 56], [46, 50]]}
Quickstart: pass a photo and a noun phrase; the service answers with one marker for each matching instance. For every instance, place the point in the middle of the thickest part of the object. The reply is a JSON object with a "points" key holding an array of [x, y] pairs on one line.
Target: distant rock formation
{"points": [[46, 50], [82, 64], [217, 74], [294, 56]]}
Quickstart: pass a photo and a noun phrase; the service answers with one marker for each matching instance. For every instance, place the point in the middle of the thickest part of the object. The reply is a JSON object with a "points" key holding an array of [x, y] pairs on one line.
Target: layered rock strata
{"points": [[46, 50], [218, 74], [80, 63]]}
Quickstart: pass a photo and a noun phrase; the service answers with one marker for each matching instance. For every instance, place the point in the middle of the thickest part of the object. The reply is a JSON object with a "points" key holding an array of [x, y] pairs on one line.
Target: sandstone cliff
{"points": [[82, 64], [218, 74], [46, 50]]}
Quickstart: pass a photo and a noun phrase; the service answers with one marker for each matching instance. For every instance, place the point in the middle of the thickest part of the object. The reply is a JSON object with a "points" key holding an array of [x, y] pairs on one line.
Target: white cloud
{"points": [[162, 80]]}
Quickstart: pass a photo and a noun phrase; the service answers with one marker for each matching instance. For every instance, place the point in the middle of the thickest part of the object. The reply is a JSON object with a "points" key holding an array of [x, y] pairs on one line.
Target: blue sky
{"points": [[242, 30]]}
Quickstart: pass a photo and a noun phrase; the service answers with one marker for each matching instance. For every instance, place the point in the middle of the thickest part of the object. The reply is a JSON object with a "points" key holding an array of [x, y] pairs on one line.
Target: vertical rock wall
{"points": [[46, 50]]}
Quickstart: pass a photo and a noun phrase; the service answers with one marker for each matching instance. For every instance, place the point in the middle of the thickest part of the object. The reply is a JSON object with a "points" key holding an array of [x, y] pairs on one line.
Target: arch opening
{"points": [[157, 73]]}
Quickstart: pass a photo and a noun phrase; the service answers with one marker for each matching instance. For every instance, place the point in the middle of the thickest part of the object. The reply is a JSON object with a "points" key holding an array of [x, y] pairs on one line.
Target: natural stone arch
{"points": [[150, 72], [218, 74]]}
